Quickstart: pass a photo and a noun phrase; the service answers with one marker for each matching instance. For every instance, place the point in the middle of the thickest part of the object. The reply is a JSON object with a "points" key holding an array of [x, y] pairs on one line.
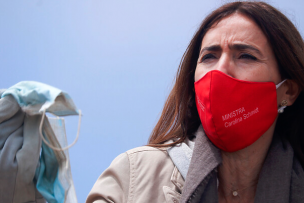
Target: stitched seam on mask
{"points": [[218, 138], [210, 102]]}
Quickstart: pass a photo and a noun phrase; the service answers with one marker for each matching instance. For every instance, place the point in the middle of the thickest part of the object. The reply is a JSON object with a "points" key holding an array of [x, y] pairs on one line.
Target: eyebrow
{"points": [[211, 48], [233, 47]]}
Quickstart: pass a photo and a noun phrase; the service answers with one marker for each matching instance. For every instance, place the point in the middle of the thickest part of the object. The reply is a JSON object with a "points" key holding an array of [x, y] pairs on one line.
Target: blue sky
{"points": [[116, 59]]}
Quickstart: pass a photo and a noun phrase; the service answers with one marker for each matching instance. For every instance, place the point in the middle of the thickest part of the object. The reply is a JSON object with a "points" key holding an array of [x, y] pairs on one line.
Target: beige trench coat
{"points": [[143, 174]]}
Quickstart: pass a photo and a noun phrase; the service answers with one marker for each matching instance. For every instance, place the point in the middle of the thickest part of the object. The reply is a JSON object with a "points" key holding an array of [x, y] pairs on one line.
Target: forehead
{"points": [[236, 28]]}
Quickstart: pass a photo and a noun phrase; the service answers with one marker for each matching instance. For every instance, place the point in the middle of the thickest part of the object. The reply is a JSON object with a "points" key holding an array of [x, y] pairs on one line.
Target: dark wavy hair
{"points": [[179, 118]]}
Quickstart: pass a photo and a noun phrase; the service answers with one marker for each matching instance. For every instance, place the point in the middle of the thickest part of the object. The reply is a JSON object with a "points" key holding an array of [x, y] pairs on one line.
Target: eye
{"points": [[248, 56], [207, 56]]}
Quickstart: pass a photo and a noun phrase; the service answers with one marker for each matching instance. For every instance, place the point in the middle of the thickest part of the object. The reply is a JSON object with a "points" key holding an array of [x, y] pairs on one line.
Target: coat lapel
{"points": [[202, 175], [275, 176], [280, 181], [173, 195]]}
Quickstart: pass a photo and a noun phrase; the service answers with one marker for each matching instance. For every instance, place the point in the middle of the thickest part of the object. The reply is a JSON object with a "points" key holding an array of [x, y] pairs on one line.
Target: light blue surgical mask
{"points": [[35, 97], [53, 174]]}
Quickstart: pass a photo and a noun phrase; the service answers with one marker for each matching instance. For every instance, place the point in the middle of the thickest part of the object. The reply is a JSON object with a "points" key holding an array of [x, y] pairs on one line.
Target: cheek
{"points": [[273, 67], [199, 73], [203, 68], [255, 73]]}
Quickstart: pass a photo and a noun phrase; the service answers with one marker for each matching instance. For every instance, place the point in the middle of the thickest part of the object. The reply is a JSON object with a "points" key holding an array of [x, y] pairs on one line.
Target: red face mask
{"points": [[235, 113]]}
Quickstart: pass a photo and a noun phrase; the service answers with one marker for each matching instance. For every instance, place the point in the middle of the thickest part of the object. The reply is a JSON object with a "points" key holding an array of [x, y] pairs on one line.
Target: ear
{"points": [[291, 91]]}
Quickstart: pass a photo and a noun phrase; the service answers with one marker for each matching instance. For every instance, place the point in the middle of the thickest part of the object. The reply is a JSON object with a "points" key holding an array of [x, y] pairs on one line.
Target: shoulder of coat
{"points": [[149, 159], [147, 149]]}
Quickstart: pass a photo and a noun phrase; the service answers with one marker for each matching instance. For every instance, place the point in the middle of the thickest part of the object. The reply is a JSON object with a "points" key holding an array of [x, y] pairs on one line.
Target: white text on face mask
{"points": [[240, 119], [247, 115], [233, 113], [237, 120]]}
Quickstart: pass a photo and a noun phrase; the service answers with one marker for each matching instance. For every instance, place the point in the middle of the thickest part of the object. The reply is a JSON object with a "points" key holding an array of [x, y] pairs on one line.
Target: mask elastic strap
{"points": [[56, 148], [278, 85], [281, 109]]}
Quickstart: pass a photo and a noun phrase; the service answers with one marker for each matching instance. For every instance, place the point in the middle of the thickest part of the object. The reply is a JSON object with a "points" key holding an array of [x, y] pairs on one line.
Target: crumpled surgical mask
{"points": [[53, 174]]}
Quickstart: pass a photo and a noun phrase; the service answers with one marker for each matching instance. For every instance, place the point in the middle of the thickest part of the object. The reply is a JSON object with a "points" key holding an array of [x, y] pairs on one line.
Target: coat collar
{"points": [[177, 179], [205, 159], [181, 155], [281, 179], [275, 176]]}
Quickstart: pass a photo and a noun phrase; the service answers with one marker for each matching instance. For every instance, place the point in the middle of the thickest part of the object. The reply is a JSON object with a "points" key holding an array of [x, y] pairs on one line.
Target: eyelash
{"points": [[207, 56], [248, 56], [242, 56]]}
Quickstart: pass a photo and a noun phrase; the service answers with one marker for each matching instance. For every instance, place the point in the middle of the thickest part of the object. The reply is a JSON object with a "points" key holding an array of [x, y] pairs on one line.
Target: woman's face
{"points": [[239, 48]]}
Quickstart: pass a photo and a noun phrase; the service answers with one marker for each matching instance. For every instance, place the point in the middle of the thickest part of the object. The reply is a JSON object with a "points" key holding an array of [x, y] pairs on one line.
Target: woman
{"points": [[243, 66]]}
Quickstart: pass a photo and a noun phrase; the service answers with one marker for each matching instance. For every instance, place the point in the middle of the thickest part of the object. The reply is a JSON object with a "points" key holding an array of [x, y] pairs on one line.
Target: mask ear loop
{"points": [[56, 148], [278, 85], [281, 109]]}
